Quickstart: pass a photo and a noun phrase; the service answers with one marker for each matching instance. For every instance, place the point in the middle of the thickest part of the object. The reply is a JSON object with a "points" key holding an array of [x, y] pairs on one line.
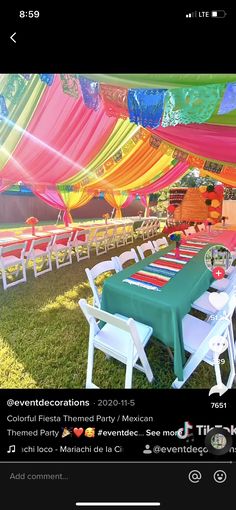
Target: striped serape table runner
{"points": [[159, 272]]}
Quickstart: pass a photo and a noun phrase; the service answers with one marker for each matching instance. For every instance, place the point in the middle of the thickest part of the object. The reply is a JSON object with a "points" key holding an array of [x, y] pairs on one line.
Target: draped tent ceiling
{"points": [[54, 143]]}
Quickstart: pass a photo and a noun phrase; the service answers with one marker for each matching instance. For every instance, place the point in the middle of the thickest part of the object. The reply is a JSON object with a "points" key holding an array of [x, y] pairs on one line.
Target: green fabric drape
{"points": [[20, 114]]}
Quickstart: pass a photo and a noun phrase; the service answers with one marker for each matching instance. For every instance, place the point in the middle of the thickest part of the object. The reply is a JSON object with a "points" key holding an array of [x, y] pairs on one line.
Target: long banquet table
{"points": [[165, 309]]}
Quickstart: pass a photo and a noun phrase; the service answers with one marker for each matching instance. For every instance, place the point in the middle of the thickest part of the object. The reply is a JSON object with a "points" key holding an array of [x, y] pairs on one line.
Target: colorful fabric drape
{"points": [[121, 136], [209, 141], [169, 81], [63, 200], [117, 201], [22, 98], [172, 176], [228, 102], [63, 137], [145, 199], [146, 106], [188, 105]]}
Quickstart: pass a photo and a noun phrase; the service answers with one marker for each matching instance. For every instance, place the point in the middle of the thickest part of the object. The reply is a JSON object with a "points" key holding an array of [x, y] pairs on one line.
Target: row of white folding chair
{"points": [[152, 246], [148, 228], [106, 238]]}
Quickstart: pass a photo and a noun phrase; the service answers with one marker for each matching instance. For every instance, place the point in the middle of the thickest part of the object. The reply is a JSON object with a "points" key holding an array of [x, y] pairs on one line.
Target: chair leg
{"points": [[189, 368], [89, 374], [128, 374]]}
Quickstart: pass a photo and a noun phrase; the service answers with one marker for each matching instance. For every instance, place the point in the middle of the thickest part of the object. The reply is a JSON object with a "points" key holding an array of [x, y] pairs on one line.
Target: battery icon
{"points": [[218, 14]]}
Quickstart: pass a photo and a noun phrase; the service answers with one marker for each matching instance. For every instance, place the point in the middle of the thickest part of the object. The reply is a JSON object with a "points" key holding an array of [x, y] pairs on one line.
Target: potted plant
{"points": [[32, 221]]}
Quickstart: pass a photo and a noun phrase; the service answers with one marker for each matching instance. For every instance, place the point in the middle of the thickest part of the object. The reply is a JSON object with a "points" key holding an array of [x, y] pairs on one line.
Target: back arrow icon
{"points": [[12, 37]]}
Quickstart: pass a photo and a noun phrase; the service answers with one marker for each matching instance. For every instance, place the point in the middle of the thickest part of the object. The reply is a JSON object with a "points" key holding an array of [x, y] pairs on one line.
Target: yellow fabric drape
{"points": [[74, 199], [116, 200]]}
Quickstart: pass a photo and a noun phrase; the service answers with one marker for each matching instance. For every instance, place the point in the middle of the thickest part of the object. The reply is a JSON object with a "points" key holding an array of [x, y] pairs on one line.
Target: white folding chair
{"points": [[98, 240], [145, 247], [94, 272], [196, 337], [155, 226], [201, 227], [81, 246], [10, 259], [125, 257], [222, 284], [129, 233], [111, 237], [62, 249], [121, 338], [120, 235], [40, 249], [160, 243], [143, 230], [190, 231], [203, 305]]}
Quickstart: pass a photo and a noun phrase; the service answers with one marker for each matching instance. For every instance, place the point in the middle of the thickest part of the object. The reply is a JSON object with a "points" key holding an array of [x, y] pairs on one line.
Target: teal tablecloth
{"points": [[162, 310]]}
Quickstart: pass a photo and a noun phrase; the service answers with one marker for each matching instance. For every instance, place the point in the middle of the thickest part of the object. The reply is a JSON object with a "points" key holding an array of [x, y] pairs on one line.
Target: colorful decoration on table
{"points": [[3, 107], [47, 78], [223, 220], [32, 221], [70, 85], [90, 91], [106, 217], [208, 201], [146, 106], [228, 102], [114, 100], [188, 105], [177, 237]]}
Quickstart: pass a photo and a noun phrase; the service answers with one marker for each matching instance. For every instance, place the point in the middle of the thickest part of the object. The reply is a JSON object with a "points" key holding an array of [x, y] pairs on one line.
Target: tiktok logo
{"points": [[184, 432]]}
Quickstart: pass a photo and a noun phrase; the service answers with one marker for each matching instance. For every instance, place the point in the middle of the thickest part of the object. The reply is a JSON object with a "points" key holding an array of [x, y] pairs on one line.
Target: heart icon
{"points": [[218, 299], [78, 432]]}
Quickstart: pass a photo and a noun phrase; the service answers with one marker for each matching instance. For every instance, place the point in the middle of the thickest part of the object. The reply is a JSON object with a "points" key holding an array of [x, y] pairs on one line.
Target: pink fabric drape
{"points": [[3, 185], [211, 141], [62, 137], [167, 179], [53, 198], [129, 200]]}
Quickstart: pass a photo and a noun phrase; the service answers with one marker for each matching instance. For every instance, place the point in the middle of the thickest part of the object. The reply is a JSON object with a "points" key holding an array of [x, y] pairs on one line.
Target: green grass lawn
{"points": [[44, 337]]}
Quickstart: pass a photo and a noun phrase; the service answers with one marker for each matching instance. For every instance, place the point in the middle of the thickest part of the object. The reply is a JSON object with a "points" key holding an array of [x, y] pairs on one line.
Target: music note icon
{"points": [[11, 449]]}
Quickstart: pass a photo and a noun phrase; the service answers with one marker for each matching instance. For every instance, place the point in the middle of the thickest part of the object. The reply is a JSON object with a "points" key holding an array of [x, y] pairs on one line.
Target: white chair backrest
{"points": [[13, 247], [60, 237], [145, 247], [190, 230], [102, 267], [125, 257], [43, 241], [201, 227], [160, 242], [96, 313]]}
